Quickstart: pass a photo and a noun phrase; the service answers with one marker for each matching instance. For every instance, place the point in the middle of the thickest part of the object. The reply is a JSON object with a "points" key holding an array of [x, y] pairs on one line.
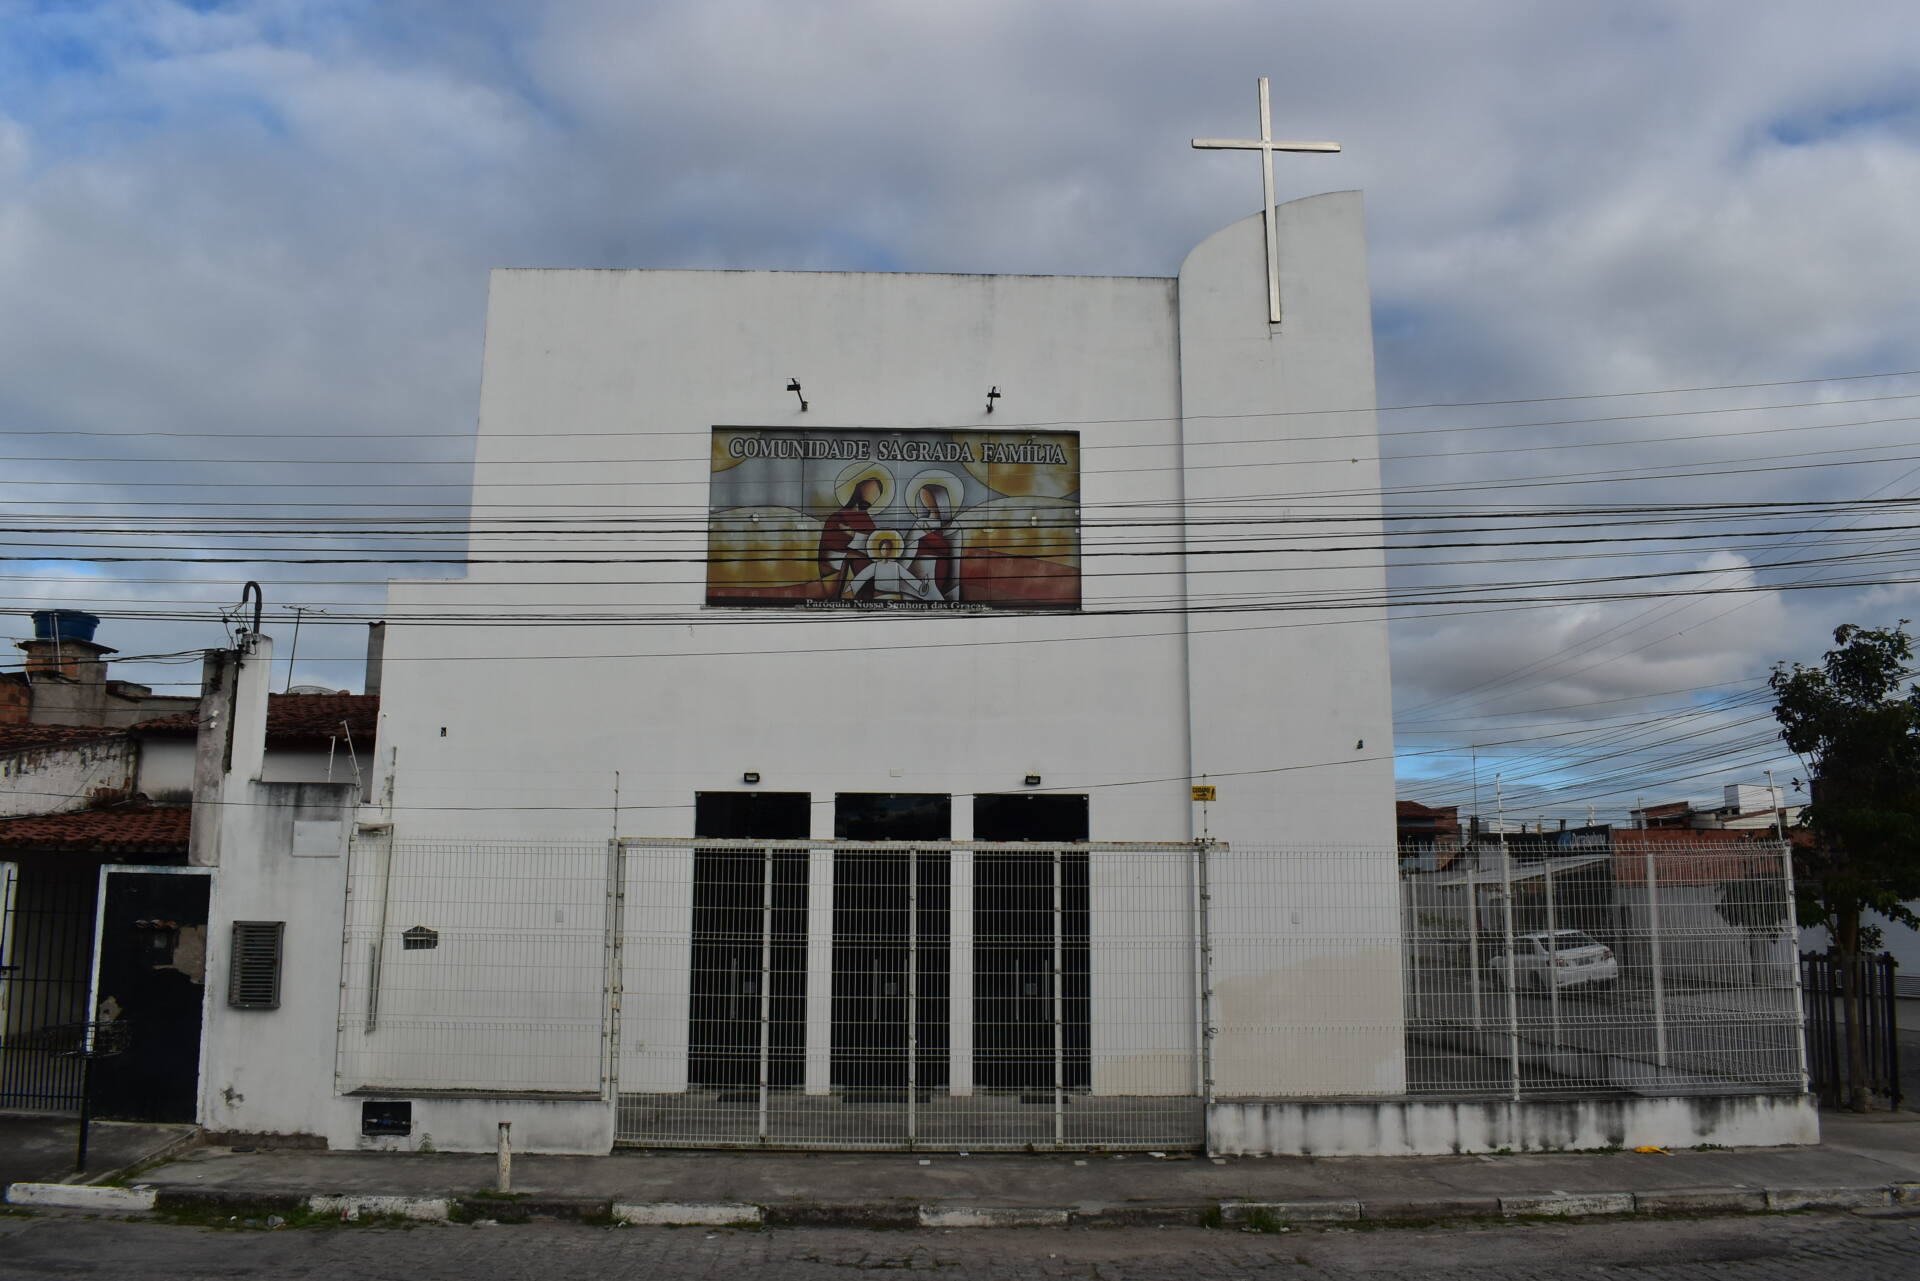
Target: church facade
{"points": [[932, 601], [905, 711]]}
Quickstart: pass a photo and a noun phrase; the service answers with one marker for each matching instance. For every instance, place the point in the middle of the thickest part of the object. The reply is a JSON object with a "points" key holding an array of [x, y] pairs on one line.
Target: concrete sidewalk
{"points": [[1864, 1161], [41, 1147]]}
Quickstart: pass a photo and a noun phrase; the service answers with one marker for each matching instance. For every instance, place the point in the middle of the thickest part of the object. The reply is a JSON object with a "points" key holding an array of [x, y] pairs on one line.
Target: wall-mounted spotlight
{"points": [[751, 776], [793, 385], [992, 396], [1033, 780]]}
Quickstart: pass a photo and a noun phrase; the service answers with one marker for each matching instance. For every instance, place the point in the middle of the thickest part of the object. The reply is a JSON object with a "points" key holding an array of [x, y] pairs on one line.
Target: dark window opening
{"points": [[750, 816], [890, 972], [892, 816], [1031, 996], [1026, 816], [749, 941]]}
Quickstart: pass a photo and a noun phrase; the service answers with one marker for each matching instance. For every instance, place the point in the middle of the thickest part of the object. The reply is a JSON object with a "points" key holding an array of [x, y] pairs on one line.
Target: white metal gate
{"points": [[949, 995]]}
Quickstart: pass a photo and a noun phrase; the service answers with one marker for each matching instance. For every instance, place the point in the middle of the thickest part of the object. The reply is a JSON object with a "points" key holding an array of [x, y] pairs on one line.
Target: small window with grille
{"points": [[253, 982]]}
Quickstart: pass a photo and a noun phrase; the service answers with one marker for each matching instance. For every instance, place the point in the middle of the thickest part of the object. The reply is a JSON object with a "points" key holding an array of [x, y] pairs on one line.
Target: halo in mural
{"points": [[852, 476], [952, 490]]}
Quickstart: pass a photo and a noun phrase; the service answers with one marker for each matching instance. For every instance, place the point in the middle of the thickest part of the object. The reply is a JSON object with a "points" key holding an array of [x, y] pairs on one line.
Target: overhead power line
{"points": [[1012, 425]]}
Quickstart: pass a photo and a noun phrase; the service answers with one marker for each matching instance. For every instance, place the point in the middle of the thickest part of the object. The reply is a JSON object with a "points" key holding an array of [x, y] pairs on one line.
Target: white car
{"points": [[1559, 959]]}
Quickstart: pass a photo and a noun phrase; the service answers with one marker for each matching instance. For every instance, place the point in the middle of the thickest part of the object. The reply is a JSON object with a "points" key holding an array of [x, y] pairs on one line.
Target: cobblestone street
{"points": [[1724, 1249]]}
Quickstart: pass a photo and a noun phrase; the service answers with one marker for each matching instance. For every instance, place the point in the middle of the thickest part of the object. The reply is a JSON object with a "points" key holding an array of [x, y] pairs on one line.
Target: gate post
{"points": [[1553, 955], [766, 982], [1654, 962], [1203, 976], [1059, 1010], [1795, 964], [1513, 961], [913, 995], [615, 980], [817, 1057], [960, 963]]}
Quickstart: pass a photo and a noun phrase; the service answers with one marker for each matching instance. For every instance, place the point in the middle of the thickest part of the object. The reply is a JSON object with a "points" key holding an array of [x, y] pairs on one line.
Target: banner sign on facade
{"points": [[914, 520]]}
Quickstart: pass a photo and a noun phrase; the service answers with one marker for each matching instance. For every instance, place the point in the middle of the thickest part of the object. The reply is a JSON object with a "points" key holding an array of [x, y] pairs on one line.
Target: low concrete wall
{"points": [[1428, 1127], [442, 1123]]}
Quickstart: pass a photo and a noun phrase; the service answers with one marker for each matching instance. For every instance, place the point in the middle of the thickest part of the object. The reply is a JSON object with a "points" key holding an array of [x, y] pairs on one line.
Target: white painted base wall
{"points": [[567, 1127], [1436, 1127]]}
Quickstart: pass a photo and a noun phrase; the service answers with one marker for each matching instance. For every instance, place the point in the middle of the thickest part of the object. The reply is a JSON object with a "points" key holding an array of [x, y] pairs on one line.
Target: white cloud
{"points": [[278, 215]]}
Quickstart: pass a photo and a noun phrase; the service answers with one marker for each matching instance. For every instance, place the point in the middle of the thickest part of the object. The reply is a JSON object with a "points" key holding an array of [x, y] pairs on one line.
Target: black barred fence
{"points": [[1824, 981]]}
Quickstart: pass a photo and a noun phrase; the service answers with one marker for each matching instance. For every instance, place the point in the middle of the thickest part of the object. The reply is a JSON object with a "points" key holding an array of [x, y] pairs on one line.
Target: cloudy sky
{"points": [[244, 246]]}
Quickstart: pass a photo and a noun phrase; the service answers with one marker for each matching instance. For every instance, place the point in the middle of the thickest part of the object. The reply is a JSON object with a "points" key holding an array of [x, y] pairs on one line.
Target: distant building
{"points": [[64, 680], [1745, 806], [1427, 833]]}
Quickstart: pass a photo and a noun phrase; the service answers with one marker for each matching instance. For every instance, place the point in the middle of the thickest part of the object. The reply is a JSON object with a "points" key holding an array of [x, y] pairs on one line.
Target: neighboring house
{"points": [[89, 807], [311, 738], [50, 867], [47, 769]]}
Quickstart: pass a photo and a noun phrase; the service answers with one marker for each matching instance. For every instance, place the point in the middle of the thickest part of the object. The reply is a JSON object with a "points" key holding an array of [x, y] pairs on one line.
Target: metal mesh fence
{"points": [[1643, 969], [476, 967], [990, 997]]}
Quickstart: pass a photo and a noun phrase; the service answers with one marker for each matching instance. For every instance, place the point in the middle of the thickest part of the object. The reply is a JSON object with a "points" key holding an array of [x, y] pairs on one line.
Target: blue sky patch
{"points": [[1811, 129]]}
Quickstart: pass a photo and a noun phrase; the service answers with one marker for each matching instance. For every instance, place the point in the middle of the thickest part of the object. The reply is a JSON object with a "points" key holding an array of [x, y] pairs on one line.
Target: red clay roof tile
{"points": [[20, 738], [297, 716], [153, 830]]}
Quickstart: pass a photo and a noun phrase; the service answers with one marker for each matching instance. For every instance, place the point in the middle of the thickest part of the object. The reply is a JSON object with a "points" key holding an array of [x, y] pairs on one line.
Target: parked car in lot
{"points": [[1556, 959]]}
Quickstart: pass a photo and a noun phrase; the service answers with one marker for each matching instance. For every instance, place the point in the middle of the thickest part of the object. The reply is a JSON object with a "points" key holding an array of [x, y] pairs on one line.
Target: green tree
{"points": [[1859, 732]]}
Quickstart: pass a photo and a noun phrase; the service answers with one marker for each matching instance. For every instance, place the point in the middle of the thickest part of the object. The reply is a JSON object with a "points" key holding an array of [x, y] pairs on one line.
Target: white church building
{"points": [[885, 711]]}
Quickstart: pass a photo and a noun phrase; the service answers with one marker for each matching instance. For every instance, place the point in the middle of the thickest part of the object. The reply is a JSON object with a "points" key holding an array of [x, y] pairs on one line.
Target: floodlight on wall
{"points": [[1032, 780], [793, 385], [751, 776], [992, 395]]}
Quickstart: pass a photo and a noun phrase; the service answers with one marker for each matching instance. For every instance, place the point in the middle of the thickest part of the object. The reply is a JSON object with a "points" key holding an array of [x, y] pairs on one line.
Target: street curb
{"points": [[80, 1196], [845, 1215], [1125, 1215], [521, 1209], [176, 1200], [1701, 1200], [1428, 1208], [1567, 1205], [1828, 1198], [1319, 1210], [707, 1214], [979, 1216], [355, 1205], [947, 1216]]}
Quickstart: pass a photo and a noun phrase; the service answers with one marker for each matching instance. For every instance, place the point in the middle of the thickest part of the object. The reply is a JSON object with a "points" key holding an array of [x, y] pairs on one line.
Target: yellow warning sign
{"points": [[1203, 791]]}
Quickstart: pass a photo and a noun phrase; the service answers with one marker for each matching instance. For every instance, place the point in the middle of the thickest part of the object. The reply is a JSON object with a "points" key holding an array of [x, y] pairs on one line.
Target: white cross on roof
{"points": [[1266, 146]]}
